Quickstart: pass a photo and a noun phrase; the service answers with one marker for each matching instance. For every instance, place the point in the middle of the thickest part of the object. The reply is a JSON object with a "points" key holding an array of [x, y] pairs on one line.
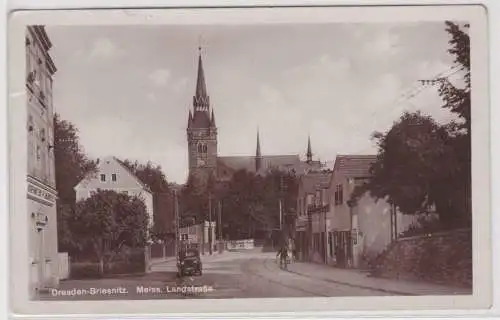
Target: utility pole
{"points": [[219, 222], [281, 216], [176, 214], [396, 235], [210, 223]]}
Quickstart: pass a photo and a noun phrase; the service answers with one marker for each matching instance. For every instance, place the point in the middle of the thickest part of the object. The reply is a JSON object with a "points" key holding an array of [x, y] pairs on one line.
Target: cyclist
{"points": [[283, 255]]}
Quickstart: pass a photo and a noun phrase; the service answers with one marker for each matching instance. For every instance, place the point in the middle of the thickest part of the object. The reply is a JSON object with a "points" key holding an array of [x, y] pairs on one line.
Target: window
{"points": [[204, 148], [42, 134], [317, 201], [103, 177], [113, 177], [339, 195]]}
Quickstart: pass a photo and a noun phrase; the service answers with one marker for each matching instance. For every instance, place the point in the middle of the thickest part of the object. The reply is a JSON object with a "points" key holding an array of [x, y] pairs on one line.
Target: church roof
{"points": [[236, 163]]}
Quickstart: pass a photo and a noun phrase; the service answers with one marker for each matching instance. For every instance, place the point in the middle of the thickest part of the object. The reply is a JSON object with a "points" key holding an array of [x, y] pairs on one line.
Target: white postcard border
{"points": [[482, 289]]}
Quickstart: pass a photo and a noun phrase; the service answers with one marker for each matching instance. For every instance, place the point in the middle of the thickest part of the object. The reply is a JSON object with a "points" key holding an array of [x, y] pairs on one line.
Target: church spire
{"points": [[212, 119], [309, 150], [258, 155], [201, 100], [190, 119]]}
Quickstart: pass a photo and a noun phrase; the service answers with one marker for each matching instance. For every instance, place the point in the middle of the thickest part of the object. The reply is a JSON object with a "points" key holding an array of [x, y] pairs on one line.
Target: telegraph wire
{"points": [[414, 90]]}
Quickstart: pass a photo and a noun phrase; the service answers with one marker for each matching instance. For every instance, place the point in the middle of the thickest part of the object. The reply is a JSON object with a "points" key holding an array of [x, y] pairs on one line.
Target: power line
{"points": [[413, 91]]}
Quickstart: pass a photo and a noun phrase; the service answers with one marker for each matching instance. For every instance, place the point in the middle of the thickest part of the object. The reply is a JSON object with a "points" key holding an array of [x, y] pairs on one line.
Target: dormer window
{"points": [[30, 124]]}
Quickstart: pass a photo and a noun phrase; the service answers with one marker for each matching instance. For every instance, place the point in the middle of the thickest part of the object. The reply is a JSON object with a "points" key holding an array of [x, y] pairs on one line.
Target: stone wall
{"points": [[444, 258]]}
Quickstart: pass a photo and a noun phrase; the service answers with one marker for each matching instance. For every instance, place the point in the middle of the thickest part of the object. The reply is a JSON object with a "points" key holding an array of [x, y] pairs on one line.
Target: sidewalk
{"points": [[356, 278]]}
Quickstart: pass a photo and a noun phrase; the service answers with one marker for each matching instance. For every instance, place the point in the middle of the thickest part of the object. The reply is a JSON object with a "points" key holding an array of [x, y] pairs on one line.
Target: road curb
{"points": [[356, 285]]}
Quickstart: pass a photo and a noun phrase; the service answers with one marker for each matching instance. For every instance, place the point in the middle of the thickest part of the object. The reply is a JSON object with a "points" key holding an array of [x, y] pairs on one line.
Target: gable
{"points": [[111, 168]]}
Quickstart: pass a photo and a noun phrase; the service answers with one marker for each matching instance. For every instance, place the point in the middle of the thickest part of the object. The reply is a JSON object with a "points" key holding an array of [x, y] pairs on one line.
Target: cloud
{"points": [[384, 43], [151, 97], [180, 85], [160, 77], [104, 48]]}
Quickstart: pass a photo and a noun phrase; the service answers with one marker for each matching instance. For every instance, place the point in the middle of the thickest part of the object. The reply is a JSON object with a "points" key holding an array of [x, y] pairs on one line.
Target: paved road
{"points": [[230, 275]]}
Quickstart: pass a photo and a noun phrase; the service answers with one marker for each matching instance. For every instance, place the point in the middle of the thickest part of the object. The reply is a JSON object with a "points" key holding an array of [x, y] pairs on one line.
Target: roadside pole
{"points": [[210, 249], [176, 214], [219, 212]]}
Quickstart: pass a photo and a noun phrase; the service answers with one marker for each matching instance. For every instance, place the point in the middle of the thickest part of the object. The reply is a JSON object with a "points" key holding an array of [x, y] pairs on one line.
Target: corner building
{"points": [[41, 190]]}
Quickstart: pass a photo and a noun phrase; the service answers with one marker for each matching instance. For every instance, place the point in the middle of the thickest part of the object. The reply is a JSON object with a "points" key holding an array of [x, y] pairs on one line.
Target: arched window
{"points": [[200, 148], [204, 148]]}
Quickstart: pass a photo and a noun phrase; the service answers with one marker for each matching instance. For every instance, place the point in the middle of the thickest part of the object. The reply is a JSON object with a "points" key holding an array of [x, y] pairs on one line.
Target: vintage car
{"points": [[189, 263]]}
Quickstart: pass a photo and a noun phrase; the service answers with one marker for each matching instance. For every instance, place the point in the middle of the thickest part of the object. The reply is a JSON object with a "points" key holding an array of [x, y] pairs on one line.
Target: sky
{"points": [[128, 89]]}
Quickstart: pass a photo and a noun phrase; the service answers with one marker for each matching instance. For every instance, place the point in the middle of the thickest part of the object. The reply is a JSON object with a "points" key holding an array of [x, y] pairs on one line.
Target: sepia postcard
{"points": [[236, 160]]}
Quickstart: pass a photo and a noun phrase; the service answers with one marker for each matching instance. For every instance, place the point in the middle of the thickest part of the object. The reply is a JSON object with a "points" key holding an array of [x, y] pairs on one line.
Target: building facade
{"points": [[200, 236], [113, 175], [311, 223], [41, 191], [360, 229], [333, 229], [203, 156]]}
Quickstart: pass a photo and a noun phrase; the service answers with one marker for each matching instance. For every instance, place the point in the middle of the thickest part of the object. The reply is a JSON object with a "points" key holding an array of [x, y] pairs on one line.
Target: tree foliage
{"points": [[422, 163], [249, 202], [155, 179], [71, 166], [456, 99], [108, 221]]}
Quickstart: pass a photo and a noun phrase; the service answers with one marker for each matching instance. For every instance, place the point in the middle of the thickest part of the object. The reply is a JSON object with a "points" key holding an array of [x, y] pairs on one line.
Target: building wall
{"points": [[372, 218], [41, 192], [339, 215], [125, 182]]}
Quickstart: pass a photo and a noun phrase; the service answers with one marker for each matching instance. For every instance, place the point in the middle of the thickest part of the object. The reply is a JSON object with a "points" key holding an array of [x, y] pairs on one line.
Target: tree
{"points": [[415, 165], [422, 163], [193, 201], [252, 201], [457, 100], [154, 177], [71, 166], [109, 221]]}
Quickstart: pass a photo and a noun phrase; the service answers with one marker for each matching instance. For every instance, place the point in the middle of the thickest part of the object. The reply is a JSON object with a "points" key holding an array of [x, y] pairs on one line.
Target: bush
{"points": [[84, 270], [425, 225], [127, 261]]}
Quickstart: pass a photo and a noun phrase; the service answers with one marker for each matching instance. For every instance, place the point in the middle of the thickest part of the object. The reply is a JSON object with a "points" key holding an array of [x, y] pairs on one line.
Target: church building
{"points": [[204, 159]]}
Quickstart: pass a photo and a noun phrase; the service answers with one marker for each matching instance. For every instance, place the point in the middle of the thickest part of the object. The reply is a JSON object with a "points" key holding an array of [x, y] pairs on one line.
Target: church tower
{"points": [[258, 155], [201, 130], [309, 154]]}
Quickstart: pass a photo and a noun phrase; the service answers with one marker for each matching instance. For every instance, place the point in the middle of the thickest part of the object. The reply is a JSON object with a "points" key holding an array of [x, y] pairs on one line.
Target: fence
{"points": [[63, 263], [240, 244]]}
